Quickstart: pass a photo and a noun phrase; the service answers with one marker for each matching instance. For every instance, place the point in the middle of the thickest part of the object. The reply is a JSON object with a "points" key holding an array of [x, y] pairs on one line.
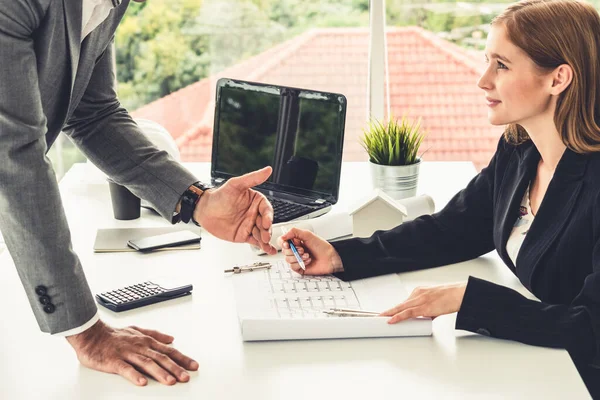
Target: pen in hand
{"points": [[294, 250]]}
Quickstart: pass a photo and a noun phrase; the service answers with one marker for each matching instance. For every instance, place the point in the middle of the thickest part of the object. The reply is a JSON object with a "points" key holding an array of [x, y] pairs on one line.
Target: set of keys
{"points": [[249, 268]]}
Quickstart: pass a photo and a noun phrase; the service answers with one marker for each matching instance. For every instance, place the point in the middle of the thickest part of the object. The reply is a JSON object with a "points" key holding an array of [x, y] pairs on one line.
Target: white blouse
{"points": [[520, 229]]}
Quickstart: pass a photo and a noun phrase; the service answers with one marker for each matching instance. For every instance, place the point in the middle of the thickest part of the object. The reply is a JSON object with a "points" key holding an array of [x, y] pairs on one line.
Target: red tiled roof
{"points": [[429, 77]]}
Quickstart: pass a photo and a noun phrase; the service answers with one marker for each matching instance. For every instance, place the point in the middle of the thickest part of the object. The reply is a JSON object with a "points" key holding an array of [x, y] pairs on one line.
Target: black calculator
{"points": [[141, 294]]}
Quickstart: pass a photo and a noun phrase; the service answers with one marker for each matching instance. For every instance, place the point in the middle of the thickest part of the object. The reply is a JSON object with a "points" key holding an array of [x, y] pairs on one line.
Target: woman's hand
{"points": [[428, 302], [319, 256]]}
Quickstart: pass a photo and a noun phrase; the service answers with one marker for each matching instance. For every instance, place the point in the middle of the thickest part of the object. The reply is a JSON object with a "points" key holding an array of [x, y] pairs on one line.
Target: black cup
{"points": [[126, 205]]}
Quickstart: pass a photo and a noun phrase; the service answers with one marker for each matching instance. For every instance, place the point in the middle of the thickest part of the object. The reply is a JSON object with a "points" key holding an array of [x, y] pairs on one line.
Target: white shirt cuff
{"points": [[81, 328]]}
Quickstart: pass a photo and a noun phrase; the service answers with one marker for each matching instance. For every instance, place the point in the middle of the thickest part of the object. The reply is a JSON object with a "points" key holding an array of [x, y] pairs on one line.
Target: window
{"points": [[170, 54], [63, 154], [435, 53], [168, 66]]}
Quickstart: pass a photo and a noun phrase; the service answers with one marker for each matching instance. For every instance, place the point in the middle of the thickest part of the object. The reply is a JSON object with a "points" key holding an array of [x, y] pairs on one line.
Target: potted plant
{"points": [[393, 157]]}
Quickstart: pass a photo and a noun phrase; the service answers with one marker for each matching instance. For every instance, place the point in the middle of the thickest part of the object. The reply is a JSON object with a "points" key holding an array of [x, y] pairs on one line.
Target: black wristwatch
{"points": [[190, 198]]}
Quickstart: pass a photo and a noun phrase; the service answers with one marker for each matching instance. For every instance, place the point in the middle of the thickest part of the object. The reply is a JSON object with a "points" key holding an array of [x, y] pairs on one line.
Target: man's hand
{"points": [[428, 302], [131, 351], [236, 213]]}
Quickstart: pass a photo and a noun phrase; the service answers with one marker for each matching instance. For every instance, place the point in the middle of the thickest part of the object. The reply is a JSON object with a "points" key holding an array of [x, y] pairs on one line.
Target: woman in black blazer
{"points": [[537, 202]]}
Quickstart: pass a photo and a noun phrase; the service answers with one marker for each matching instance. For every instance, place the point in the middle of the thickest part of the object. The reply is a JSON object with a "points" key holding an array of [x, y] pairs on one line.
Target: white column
{"points": [[378, 63]]}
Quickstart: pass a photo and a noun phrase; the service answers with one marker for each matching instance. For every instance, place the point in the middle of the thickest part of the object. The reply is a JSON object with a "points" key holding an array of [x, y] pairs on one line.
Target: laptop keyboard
{"points": [[287, 211], [295, 296]]}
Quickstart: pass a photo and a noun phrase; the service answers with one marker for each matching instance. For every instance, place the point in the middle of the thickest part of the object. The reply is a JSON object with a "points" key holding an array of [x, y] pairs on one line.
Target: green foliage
{"points": [[395, 143], [154, 55], [164, 45], [463, 23]]}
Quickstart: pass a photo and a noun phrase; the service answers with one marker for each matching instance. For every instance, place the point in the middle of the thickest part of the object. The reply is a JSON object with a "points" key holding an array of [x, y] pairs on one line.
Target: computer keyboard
{"points": [[287, 211], [295, 296]]}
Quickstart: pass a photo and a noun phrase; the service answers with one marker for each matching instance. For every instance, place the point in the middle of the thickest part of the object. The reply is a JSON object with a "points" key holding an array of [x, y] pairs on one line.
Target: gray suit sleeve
{"points": [[109, 137], [32, 218]]}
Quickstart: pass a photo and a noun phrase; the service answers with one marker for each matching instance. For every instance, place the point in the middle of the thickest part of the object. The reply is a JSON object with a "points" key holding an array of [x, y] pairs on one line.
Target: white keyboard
{"points": [[279, 304], [295, 296]]}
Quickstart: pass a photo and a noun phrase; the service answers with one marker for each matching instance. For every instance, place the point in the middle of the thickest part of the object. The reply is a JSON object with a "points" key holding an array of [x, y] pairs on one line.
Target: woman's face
{"points": [[516, 91]]}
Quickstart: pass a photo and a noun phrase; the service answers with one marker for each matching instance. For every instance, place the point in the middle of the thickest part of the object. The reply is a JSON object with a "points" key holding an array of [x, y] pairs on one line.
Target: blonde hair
{"points": [[552, 33]]}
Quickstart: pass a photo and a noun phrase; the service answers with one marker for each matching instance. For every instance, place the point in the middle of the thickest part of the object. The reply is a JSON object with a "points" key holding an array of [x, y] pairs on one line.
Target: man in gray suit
{"points": [[56, 75]]}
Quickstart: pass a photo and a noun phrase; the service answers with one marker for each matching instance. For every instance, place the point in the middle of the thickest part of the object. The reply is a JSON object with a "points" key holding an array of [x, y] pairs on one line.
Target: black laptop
{"points": [[299, 132]]}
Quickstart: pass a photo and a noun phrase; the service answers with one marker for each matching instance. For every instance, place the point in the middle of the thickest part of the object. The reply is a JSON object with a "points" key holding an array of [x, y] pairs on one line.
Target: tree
{"points": [[155, 55], [164, 45]]}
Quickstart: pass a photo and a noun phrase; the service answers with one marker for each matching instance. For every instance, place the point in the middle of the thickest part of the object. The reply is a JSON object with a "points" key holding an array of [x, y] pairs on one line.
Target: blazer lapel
{"points": [[73, 16], [92, 47], [510, 197], [554, 212], [86, 64]]}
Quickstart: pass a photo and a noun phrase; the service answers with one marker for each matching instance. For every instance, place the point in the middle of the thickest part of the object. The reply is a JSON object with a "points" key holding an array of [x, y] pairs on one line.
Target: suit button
{"points": [[41, 290], [483, 331], [44, 300], [49, 308]]}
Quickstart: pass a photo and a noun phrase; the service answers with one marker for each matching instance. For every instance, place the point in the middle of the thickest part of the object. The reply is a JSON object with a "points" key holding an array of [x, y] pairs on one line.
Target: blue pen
{"points": [[294, 249]]}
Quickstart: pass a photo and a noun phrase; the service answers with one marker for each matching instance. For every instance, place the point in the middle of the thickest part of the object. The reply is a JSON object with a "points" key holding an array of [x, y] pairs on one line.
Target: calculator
{"points": [[141, 294]]}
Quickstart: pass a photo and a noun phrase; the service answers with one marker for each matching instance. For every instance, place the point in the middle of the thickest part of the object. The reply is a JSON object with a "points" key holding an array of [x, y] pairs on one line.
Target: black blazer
{"points": [[559, 261]]}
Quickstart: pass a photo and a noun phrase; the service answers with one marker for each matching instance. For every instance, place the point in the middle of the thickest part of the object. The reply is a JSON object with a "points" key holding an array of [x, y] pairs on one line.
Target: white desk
{"points": [[450, 364]]}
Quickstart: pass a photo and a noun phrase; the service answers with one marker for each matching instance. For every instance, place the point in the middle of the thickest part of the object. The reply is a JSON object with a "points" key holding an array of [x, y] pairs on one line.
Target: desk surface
{"points": [[450, 364]]}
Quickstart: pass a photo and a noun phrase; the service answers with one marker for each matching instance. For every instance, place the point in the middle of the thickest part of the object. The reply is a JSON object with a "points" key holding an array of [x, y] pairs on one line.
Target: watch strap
{"points": [[190, 198]]}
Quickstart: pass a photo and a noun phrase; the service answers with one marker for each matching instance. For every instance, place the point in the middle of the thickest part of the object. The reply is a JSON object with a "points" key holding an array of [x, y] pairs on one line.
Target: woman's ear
{"points": [[561, 79]]}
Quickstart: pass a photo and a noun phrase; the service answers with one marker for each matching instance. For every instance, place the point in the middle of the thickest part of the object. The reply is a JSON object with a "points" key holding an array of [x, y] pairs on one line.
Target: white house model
{"points": [[376, 212]]}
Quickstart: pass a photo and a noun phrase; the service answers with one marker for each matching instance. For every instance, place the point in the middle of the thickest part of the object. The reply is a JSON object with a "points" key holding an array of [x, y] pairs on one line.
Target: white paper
{"points": [[329, 226], [256, 329]]}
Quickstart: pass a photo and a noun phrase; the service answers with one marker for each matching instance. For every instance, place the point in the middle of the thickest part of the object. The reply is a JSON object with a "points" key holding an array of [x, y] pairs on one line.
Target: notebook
{"points": [[299, 132], [279, 304], [115, 240]]}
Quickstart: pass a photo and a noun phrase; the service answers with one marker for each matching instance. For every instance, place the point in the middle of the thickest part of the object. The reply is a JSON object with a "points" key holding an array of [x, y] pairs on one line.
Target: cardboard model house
{"points": [[376, 212]]}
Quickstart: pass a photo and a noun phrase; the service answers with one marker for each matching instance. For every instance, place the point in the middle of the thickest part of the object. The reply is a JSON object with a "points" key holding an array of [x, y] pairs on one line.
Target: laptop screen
{"points": [[296, 131]]}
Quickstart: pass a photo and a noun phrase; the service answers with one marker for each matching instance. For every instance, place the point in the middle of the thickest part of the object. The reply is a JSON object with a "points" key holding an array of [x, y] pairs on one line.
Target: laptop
{"points": [[279, 304], [299, 132]]}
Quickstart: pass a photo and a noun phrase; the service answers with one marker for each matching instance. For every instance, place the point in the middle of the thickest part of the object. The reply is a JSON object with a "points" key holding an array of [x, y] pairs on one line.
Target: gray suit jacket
{"points": [[50, 82]]}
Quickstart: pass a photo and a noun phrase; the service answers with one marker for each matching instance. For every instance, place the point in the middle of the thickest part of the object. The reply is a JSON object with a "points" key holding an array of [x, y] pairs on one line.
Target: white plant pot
{"points": [[398, 181]]}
